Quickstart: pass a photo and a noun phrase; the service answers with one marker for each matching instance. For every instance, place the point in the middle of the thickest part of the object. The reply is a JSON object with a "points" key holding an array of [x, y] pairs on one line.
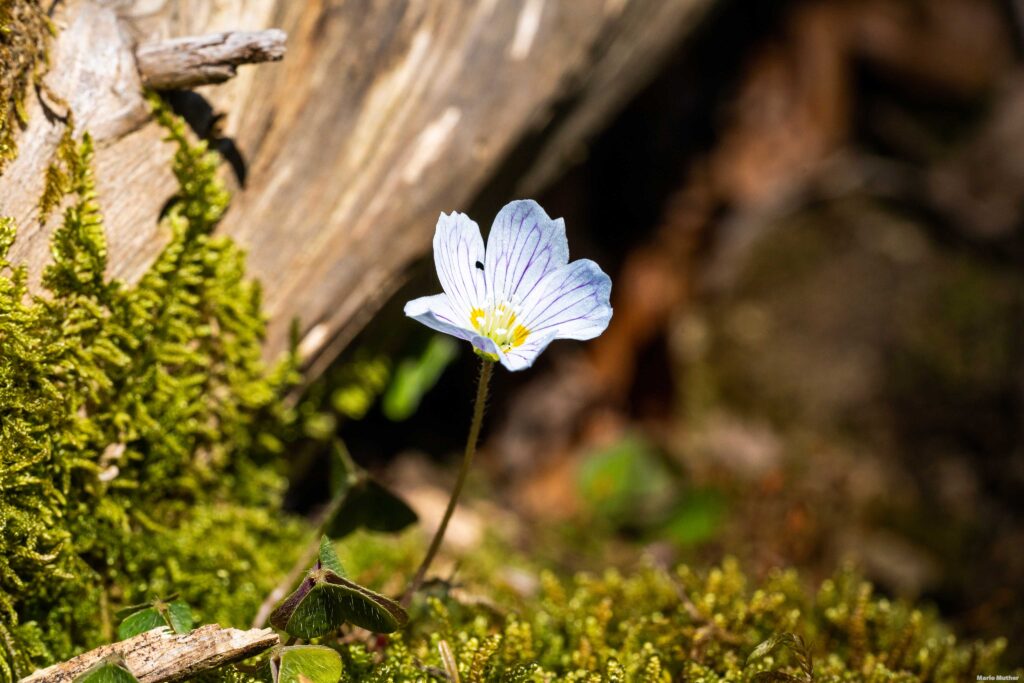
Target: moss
{"points": [[647, 623], [643, 623], [135, 425], [25, 31]]}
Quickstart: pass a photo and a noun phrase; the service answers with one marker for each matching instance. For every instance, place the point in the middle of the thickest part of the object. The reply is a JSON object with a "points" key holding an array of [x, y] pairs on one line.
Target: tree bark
{"points": [[381, 116]]}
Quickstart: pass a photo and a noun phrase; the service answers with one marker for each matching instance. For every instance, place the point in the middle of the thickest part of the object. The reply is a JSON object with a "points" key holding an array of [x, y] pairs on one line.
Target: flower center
{"points": [[499, 324]]}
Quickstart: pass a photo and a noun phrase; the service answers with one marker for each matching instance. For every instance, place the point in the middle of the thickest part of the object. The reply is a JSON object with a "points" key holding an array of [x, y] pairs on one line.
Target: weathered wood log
{"points": [[160, 655], [189, 62], [382, 115]]}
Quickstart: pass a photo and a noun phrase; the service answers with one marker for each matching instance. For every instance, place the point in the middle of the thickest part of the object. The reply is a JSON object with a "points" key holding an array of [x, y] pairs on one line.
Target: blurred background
{"points": [[812, 217]]}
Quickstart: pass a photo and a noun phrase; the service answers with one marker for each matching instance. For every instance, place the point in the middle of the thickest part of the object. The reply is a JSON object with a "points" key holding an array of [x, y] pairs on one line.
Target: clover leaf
{"points": [[304, 664], [109, 670], [326, 599], [145, 617], [364, 502]]}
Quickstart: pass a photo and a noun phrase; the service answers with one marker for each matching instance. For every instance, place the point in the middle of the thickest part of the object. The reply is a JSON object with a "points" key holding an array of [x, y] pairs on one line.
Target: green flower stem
{"points": [[486, 370]]}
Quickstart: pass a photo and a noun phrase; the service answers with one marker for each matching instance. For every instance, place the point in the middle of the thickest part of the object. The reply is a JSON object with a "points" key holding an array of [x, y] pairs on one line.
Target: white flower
{"points": [[518, 297]]}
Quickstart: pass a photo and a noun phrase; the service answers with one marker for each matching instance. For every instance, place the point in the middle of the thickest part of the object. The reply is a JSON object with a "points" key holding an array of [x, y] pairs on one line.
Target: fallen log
{"points": [[381, 116]]}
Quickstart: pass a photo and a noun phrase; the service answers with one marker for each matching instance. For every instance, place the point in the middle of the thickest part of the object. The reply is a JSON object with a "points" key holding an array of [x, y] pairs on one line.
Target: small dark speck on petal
{"points": [[479, 265]]}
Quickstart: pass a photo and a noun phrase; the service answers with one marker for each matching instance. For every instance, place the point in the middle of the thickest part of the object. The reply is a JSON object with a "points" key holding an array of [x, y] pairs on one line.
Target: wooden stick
{"points": [[160, 655], [192, 61]]}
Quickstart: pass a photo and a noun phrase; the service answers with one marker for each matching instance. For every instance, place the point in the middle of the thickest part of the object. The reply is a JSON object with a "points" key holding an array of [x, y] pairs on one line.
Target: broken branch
{"points": [[160, 655], [192, 61]]}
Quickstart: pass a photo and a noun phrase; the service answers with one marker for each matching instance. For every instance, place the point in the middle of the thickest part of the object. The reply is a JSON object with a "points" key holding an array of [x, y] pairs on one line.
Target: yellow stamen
{"points": [[519, 335], [499, 324]]}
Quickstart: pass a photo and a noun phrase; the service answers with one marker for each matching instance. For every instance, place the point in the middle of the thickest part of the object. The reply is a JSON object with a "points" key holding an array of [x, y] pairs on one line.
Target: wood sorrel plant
{"points": [[510, 302]]}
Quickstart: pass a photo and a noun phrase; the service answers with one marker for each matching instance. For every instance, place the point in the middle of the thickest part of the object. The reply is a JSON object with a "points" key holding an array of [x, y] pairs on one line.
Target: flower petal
{"points": [[487, 345], [437, 313], [458, 248], [524, 245], [522, 356], [571, 303]]}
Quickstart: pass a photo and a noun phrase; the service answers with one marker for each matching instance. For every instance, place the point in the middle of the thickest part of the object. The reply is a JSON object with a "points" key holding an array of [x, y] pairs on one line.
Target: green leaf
{"points": [[324, 601], [107, 671], [306, 613], [414, 377], [305, 664], [696, 518], [328, 557], [365, 502], [369, 505], [179, 617], [626, 482], [140, 622], [362, 607]]}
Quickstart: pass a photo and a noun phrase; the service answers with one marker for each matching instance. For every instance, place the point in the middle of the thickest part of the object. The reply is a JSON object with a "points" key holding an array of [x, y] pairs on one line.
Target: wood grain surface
{"points": [[160, 655], [383, 114]]}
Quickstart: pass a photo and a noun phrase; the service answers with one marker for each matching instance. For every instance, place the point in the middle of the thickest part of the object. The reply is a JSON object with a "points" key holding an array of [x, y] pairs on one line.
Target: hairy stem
{"points": [[486, 370]]}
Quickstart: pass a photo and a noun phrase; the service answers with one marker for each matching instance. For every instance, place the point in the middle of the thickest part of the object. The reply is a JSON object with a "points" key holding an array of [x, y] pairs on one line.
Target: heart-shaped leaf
{"points": [[364, 502], [140, 622], [326, 599], [305, 664], [307, 613], [107, 671], [179, 616], [369, 505], [362, 607]]}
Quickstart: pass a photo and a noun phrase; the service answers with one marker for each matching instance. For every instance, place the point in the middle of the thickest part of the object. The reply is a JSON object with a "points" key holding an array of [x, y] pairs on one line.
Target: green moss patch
{"points": [[136, 425], [507, 619]]}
